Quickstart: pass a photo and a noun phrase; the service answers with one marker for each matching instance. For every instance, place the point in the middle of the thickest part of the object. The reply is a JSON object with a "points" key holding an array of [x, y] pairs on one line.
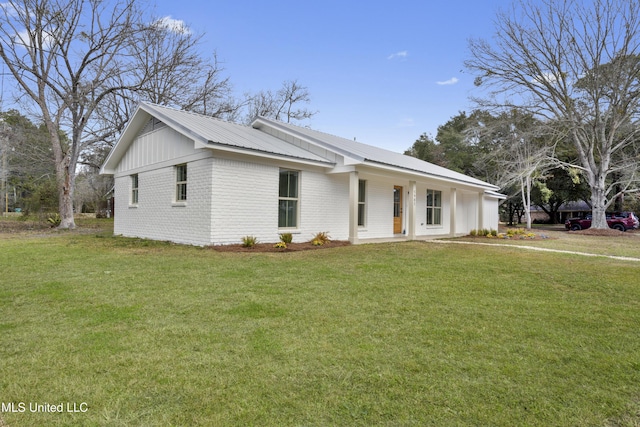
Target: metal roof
{"points": [[213, 131], [373, 154], [210, 132]]}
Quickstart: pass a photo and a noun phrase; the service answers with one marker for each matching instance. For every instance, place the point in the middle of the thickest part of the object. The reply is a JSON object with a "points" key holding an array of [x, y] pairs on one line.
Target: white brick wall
{"points": [[324, 205], [157, 216], [245, 203]]}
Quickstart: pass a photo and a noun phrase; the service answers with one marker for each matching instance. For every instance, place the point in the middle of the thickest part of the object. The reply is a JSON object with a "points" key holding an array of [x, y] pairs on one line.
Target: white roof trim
{"points": [[372, 156]]}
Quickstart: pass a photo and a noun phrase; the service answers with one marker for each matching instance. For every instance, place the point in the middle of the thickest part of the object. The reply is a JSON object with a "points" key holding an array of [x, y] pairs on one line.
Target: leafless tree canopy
{"points": [[177, 75], [284, 105], [576, 64], [83, 64], [67, 57]]}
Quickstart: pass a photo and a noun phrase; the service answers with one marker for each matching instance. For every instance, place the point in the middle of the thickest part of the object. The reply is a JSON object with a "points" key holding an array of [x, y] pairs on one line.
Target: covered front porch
{"points": [[398, 204]]}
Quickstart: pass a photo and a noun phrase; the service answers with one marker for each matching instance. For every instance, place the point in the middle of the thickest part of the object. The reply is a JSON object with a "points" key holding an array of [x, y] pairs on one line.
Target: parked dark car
{"points": [[622, 221]]}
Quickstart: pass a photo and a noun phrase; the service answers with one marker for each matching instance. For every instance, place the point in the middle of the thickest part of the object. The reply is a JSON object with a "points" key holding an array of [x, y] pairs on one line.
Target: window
{"points": [[434, 207], [362, 187], [181, 183], [134, 189], [288, 199]]}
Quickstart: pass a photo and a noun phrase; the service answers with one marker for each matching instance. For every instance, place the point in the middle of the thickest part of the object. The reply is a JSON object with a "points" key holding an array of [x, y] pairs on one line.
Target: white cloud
{"points": [[451, 81], [546, 78], [175, 25], [401, 55], [23, 39]]}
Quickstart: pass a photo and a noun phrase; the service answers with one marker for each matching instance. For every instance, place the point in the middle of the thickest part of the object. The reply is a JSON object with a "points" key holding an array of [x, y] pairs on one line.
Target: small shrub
{"points": [[249, 241], [280, 245], [521, 233], [54, 219], [286, 238], [322, 237], [473, 233], [494, 233]]}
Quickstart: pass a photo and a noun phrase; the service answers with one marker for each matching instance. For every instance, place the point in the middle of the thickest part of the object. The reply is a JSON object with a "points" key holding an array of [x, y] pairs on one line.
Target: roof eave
{"points": [[483, 185], [266, 154], [349, 157]]}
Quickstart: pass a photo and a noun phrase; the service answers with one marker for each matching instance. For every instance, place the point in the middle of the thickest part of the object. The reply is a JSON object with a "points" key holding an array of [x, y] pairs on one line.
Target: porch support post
{"points": [[481, 210], [453, 204], [353, 207], [412, 210]]}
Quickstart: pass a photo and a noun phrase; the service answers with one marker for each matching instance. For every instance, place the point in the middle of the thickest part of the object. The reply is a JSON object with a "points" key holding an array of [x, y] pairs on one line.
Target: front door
{"points": [[397, 210]]}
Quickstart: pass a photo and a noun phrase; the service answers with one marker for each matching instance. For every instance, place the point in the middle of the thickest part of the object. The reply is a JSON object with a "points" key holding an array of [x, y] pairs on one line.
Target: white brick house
{"points": [[192, 179]]}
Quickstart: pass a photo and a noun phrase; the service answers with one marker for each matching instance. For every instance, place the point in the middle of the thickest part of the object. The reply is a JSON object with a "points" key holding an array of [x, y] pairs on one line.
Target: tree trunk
{"points": [[525, 193], [599, 206], [65, 176]]}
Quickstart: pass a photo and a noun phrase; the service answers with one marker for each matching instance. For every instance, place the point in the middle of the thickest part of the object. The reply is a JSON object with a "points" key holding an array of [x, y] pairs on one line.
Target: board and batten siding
{"points": [[154, 147]]}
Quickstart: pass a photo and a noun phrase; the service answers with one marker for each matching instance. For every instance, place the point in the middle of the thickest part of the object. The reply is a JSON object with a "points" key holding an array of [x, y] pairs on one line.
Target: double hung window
{"points": [[181, 183], [362, 187], [288, 199], [434, 207], [134, 189]]}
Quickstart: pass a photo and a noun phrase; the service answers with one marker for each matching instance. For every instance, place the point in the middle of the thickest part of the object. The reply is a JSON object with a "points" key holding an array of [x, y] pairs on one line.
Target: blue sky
{"points": [[379, 71]]}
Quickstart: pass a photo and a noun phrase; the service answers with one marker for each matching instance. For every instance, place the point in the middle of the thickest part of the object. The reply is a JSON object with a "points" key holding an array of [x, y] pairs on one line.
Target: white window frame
{"points": [[430, 220], [181, 194], [289, 198], [362, 203], [135, 189]]}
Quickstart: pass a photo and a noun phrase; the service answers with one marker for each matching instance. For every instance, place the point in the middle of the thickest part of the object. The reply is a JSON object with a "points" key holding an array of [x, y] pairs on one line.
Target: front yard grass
{"points": [[416, 333], [626, 245]]}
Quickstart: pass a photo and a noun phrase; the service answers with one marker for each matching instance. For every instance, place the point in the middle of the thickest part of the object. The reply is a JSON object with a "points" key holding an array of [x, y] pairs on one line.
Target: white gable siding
{"points": [[155, 147], [313, 148]]}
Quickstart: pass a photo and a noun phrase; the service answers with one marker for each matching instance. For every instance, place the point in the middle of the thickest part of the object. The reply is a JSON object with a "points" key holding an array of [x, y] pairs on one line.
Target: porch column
{"points": [[412, 210], [453, 204], [353, 207], [481, 211]]}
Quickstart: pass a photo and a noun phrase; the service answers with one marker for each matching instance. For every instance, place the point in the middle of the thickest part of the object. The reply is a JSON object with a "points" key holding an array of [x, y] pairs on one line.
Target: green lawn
{"points": [[154, 334]]}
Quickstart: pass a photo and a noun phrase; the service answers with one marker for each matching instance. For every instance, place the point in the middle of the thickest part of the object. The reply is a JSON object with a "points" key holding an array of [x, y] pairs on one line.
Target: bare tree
{"points": [[177, 75], [284, 105], [519, 155], [67, 56], [575, 63]]}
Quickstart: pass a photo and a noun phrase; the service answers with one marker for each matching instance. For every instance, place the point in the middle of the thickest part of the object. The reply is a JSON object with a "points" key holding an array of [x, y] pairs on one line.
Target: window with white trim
{"points": [[288, 199], [434, 207], [134, 189], [181, 183], [362, 187]]}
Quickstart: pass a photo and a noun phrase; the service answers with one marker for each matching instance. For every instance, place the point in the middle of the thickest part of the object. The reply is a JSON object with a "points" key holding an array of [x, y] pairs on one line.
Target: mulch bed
{"points": [[269, 247], [605, 233]]}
